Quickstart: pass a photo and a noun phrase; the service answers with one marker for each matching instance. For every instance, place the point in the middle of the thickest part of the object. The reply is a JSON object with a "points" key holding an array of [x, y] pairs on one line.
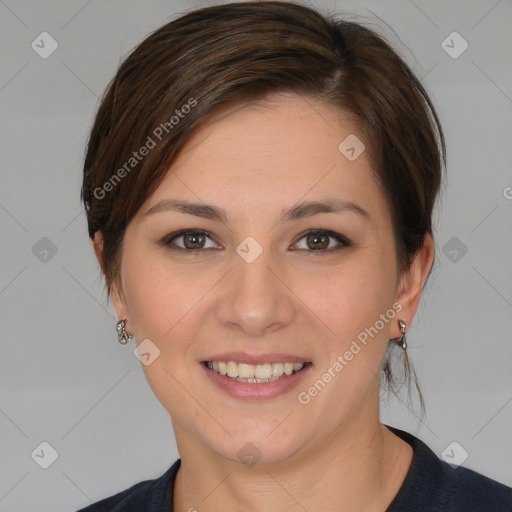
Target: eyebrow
{"points": [[299, 211]]}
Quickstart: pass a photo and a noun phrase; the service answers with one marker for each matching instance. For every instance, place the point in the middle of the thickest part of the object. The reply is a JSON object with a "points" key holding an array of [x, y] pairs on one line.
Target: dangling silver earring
{"points": [[123, 336], [401, 340]]}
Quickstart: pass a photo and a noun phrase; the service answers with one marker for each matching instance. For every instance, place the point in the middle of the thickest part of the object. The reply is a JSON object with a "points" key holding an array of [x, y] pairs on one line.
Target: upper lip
{"points": [[245, 358]]}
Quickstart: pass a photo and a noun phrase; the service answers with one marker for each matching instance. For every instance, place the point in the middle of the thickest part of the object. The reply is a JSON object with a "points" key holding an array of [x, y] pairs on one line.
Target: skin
{"points": [[254, 161]]}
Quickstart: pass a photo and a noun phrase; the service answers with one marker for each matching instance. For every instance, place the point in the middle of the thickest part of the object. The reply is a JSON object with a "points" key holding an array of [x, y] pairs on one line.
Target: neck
{"points": [[360, 468]]}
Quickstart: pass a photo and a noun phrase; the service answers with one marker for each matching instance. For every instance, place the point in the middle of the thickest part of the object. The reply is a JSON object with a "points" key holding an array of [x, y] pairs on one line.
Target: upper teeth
{"points": [[254, 371]]}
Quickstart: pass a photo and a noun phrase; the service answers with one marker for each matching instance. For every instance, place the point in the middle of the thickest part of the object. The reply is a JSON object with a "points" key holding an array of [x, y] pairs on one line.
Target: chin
{"points": [[265, 444], [251, 453]]}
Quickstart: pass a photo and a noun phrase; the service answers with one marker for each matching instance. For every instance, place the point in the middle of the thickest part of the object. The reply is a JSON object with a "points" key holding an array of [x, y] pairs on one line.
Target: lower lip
{"points": [[258, 391]]}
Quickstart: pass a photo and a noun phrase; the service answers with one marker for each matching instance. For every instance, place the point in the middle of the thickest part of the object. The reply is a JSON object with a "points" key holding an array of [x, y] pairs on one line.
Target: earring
{"points": [[123, 336], [401, 340]]}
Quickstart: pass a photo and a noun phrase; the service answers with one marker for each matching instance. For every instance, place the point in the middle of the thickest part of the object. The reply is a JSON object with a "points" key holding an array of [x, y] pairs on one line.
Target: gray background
{"points": [[65, 379]]}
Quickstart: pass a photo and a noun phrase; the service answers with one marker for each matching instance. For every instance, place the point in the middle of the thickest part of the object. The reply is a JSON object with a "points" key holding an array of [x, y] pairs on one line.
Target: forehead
{"points": [[275, 130], [280, 150]]}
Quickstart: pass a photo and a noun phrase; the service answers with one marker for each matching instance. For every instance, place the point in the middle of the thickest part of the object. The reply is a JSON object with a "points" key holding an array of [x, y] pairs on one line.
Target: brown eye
{"points": [[319, 240], [191, 240], [316, 242], [194, 241]]}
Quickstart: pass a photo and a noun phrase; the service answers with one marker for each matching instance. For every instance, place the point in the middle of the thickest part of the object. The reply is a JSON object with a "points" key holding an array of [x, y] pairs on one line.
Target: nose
{"points": [[255, 298]]}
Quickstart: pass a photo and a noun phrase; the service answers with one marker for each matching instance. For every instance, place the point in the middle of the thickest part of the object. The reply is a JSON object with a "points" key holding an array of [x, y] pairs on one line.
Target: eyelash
{"points": [[344, 242]]}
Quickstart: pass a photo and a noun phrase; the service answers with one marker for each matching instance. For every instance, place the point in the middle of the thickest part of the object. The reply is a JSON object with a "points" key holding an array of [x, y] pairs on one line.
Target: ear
{"points": [[412, 282], [97, 244], [116, 292]]}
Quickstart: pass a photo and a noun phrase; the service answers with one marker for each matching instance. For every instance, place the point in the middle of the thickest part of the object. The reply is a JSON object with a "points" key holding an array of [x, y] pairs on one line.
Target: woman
{"points": [[259, 185]]}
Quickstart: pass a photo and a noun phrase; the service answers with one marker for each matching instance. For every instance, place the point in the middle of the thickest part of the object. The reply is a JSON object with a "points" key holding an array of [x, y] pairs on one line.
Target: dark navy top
{"points": [[431, 485]]}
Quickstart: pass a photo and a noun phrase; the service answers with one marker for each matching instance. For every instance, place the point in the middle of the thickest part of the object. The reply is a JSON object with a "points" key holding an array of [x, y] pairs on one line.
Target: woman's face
{"points": [[251, 284]]}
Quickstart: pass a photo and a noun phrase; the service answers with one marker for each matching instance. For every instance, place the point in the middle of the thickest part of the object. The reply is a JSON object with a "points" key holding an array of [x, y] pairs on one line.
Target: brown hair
{"points": [[181, 74]]}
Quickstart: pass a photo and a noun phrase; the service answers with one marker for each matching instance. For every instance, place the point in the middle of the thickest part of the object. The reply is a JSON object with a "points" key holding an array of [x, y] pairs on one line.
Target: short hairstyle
{"points": [[184, 72]]}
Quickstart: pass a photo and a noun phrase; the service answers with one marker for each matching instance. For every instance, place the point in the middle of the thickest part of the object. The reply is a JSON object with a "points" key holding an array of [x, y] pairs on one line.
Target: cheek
{"points": [[156, 297], [161, 303], [350, 302], [351, 298]]}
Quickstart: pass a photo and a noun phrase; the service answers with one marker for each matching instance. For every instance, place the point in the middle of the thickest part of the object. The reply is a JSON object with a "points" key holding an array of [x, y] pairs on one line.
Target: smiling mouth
{"points": [[254, 373]]}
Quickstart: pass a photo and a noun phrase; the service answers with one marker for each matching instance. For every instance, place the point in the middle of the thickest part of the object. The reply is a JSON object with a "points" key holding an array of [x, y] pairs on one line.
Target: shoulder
{"points": [[154, 495], [433, 485], [464, 489]]}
